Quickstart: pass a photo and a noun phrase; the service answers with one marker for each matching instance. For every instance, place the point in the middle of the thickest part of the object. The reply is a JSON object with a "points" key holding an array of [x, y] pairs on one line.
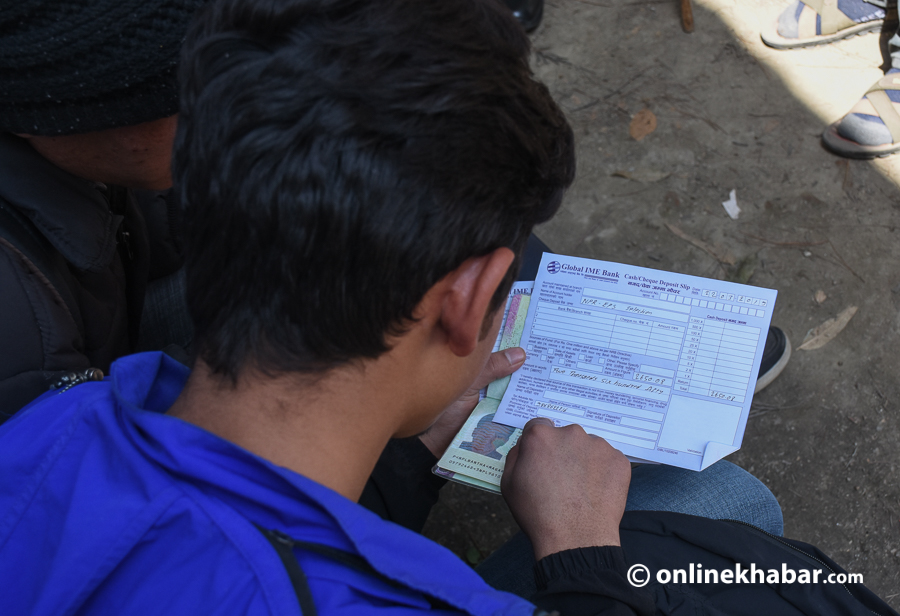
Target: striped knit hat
{"points": [[77, 66]]}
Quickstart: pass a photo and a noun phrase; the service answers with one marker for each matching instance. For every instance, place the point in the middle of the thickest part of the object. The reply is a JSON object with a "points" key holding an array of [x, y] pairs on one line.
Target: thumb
{"points": [[500, 364]]}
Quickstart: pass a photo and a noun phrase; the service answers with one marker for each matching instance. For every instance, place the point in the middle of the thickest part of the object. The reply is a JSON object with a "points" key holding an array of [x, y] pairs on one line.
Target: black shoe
{"points": [[775, 357], [531, 258], [528, 12]]}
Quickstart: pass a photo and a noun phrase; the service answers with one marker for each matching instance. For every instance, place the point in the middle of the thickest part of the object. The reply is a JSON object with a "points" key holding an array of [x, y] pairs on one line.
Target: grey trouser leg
{"points": [[894, 43]]}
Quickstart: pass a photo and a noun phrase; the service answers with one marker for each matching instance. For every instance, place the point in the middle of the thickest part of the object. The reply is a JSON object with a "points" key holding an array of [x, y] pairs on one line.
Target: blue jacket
{"points": [[110, 506]]}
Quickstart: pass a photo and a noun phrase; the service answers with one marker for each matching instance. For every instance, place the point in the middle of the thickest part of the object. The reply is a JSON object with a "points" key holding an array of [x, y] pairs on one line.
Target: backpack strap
{"points": [[284, 545]]}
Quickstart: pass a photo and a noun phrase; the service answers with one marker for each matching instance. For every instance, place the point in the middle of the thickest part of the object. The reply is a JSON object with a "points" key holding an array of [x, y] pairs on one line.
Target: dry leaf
{"points": [[642, 175], [820, 296], [825, 333], [846, 173], [642, 124]]}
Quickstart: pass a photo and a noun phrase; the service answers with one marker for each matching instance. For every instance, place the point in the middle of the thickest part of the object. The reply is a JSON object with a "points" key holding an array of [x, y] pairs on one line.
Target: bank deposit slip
{"points": [[661, 365]]}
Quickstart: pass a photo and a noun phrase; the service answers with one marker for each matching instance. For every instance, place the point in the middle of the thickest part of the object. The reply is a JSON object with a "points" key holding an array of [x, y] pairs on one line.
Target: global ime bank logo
{"points": [[553, 267]]}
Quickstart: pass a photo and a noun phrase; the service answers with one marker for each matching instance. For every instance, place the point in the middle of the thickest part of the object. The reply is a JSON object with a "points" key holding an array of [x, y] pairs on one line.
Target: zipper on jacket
{"points": [[116, 198], [796, 549], [123, 238], [77, 377]]}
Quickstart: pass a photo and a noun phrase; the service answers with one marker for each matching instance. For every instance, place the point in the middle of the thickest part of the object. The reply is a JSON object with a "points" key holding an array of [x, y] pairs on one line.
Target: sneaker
{"points": [[528, 12], [775, 357]]}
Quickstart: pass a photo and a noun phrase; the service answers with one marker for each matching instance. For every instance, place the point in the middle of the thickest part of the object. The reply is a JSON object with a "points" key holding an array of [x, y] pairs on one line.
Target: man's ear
{"points": [[468, 298]]}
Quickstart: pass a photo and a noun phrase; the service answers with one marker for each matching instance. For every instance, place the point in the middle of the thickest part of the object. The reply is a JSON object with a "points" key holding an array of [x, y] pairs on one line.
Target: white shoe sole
{"points": [[776, 41]]}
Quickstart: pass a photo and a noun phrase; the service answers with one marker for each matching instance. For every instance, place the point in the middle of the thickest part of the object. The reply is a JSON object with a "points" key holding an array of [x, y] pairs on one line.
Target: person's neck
{"points": [[333, 427], [315, 426]]}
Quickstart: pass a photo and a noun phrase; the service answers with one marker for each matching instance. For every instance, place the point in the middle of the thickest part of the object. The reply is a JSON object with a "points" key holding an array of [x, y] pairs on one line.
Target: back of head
{"points": [[337, 158], [79, 66]]}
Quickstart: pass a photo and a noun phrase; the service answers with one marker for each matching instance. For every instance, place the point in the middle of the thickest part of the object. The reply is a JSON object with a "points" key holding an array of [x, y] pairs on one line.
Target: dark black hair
{"points": [[337, 158]]}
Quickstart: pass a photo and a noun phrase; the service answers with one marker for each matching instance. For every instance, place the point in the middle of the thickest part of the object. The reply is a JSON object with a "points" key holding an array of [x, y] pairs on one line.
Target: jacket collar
{"points": [[71, 212]]}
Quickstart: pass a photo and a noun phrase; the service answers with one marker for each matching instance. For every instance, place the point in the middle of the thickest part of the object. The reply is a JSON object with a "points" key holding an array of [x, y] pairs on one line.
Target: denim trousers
{"points": [[723, 491]]}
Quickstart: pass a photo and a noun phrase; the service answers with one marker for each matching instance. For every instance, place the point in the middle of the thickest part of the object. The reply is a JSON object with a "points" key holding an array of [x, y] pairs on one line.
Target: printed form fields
{"points": [[597, 327]]}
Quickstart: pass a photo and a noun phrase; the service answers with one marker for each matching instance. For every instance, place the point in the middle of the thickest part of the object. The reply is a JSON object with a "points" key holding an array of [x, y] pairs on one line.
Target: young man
{"points": [[90, 258], [89, 265], [360, 179]]}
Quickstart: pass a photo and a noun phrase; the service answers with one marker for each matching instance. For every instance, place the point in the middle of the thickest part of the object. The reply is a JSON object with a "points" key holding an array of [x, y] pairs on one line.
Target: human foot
{"points": [[872, 127]]}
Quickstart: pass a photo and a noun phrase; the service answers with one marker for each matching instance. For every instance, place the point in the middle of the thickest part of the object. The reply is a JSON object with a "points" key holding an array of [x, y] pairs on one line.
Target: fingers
{"points": [[513, 455], [515, 356], [510, 464], [539, 421], [565, 488], [500, 364]]}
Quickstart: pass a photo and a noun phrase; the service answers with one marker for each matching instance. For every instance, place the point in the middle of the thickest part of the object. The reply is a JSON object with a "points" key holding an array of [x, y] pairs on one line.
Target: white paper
{"points": [[661, 365], [731, 205]]}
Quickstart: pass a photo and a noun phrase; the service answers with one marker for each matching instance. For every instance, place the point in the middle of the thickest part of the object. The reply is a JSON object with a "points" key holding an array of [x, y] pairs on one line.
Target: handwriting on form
{"points": [[593, 301]]}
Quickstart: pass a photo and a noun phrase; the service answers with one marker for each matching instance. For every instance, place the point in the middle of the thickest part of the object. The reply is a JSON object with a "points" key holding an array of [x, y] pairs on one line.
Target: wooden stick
{"points": [[687, 16]]}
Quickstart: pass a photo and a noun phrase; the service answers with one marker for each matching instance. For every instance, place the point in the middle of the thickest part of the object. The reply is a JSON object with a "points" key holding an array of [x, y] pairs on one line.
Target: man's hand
{"points": [[565, 488], [502, 363]]}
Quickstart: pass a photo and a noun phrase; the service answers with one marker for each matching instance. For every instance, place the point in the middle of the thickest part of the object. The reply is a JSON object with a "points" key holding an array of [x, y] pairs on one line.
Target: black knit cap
{"points": [[77, 66]]}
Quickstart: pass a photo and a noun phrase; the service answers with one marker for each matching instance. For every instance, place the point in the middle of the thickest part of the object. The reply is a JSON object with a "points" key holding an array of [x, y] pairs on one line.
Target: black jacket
{"points": [[574, 584], [594, 581], [75, 257]]}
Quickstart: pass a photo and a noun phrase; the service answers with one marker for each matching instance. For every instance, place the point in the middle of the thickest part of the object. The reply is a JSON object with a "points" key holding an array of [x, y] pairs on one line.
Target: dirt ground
{"points": [[733, 114]]}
